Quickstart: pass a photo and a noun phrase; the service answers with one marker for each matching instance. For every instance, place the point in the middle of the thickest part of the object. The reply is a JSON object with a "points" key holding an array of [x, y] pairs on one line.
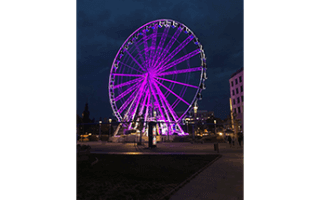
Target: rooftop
{"points": [[237, 72]]}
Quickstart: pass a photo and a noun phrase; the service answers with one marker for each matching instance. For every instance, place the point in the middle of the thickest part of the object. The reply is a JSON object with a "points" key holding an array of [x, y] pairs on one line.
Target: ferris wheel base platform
{"points": [[135, 139]]}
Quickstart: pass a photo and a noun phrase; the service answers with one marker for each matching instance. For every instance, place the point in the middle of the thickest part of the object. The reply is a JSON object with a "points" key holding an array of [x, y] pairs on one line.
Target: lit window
{"points": [[236, 81], [238, 100], [240, 79], [239, 111], [237, 91]]}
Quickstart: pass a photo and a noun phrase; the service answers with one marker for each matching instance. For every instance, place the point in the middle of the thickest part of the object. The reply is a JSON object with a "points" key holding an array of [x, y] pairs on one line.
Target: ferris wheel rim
{"points": [[199, 89]]}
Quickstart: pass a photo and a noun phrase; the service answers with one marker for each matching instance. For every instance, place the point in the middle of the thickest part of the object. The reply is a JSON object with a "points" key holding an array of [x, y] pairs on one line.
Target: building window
{"points": [[242, 98], [235, 110], [240, 79], [231, 83], [237, 91], [239, 111], [238, 100], [236, 81], [234, 101], [241, 88], [232, 92]]}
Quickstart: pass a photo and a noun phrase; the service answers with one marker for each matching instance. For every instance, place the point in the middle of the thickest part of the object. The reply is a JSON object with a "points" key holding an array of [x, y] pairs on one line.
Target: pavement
{"points": [[221, 180]]}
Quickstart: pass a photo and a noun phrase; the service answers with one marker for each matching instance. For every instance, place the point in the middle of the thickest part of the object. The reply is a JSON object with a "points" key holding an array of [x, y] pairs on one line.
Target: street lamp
{"points": [[187, 122], [110, 120], [99, 129], [215, 122], [195, 109]]}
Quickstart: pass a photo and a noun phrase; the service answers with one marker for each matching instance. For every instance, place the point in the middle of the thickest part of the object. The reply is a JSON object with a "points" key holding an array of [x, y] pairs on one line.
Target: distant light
{"points": [[89, 133], [100, 122], [220, 133]]}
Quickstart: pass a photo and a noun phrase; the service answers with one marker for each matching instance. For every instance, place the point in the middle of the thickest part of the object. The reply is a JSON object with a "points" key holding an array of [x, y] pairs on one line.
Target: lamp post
{"points": [[99, 129], [187, 122], [215, 122], [110, 120], [195, 109]]}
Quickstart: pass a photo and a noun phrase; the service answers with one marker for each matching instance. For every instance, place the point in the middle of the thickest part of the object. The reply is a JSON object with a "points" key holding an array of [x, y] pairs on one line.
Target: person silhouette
{"points": [[229, 139]]}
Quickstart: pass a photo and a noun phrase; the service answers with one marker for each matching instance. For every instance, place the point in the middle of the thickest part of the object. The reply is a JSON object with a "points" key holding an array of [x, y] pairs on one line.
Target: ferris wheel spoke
{"points": [[145, 43], [144, 103], [153, 44], [147, 107], [168, 46], [173, 93], [139, 52], [130, 67], [155, 97], [163, 104], [175, 51], [132, 115], [135, 60], [180, 60], [126, 92], [127, 83], [158, 51], [173, 114], [136, 75], [185, 84], [180, 71], [126, 103]]}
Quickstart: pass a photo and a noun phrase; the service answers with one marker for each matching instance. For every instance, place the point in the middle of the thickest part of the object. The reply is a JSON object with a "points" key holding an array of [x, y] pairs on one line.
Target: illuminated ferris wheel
{"points": [[157, 75]]}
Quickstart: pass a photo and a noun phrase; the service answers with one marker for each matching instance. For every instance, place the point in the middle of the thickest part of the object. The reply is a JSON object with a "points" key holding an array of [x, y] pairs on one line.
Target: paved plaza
{"points": [[223, 179]]}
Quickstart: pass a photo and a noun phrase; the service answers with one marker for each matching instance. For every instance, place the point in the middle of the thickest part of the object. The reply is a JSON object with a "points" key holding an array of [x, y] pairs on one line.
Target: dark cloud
{"points": [[102, 27]]}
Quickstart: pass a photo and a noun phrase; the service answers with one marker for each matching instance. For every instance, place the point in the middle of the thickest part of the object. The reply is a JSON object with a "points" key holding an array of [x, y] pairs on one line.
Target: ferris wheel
{"points": [[157, 75]]}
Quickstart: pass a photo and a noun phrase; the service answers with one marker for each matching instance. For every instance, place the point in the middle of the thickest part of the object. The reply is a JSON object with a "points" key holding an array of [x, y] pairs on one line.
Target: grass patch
{"points": [[135, 176]]}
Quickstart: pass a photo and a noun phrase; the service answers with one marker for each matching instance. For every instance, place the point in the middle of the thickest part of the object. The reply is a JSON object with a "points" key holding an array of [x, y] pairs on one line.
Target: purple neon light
{"points": [[147, 108], [145, 43], [175, 51], [126, 103], [183, 58], [173, 93], [144, 103], [136, 75], [139, 52], [155, 97], [130, 67], [137, 102], [180, 71], [135, 60], [185, 84], [127, 83], [164, 106], [173, 114], [168, 46], [155, 64], [158, 51], [126, 92], [153, 45]]}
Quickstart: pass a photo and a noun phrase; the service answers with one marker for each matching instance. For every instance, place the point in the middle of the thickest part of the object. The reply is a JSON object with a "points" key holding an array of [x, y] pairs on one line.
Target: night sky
{"points": [[103, 26]]}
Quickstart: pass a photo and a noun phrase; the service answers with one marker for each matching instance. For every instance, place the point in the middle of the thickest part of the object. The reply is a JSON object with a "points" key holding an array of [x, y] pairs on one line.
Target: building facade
{"points": [[236, 83]]}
